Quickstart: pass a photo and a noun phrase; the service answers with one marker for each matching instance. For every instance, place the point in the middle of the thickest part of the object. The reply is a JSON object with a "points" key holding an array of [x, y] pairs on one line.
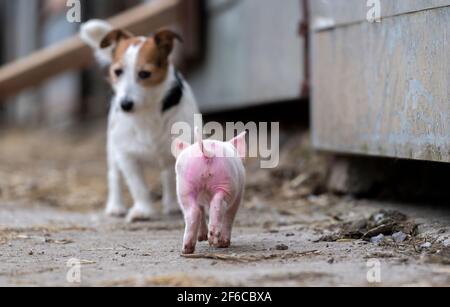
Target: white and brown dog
{"points": [[150, 96]]}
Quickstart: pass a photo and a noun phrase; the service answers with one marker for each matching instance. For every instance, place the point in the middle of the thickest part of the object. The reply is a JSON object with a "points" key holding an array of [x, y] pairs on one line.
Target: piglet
{"points": [[210, 176]]}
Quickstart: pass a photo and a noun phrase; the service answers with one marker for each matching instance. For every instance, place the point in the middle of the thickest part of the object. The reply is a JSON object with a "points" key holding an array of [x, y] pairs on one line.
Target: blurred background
{"points": [[356, 79], [366, 82], [361, 91], [369, 88], [233, 57]]}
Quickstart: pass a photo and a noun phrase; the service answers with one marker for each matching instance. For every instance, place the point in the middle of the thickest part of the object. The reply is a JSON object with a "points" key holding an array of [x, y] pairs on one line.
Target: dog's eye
{"points": [[118, 72], [144, 74]]}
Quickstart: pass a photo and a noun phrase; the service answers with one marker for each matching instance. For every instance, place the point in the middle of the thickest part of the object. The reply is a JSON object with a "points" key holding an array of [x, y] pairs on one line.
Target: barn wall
{"points": [[2, 53], [382, 88], [254, 54], [338, 13]]}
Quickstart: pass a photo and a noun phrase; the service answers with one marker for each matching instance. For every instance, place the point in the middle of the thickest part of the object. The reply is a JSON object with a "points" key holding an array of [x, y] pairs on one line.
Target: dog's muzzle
{"points": [[127, 105]]}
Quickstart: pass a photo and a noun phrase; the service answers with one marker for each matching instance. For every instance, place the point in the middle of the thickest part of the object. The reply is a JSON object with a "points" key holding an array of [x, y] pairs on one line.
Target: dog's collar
{"points": [[174, 95]]}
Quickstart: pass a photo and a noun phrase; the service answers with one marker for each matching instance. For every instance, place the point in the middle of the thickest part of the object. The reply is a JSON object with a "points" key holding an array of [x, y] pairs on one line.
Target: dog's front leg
{"points": [[115, 205], [169, 201], [134, 175]]}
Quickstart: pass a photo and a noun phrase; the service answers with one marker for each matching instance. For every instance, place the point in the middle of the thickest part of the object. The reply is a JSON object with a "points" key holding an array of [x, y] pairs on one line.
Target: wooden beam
{"points": [[73, 54]]}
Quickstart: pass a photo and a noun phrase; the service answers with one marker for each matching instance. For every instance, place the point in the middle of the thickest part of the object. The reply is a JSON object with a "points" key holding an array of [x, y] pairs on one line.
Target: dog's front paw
{"points": [[170, 206], [116, 210], [172, 211], [140, 213]]}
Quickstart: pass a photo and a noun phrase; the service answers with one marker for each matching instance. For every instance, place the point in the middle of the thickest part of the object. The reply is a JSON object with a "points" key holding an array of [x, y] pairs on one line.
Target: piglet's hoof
{"points": [[203, 237], [139, 214], [217, 241], [188, 249]]}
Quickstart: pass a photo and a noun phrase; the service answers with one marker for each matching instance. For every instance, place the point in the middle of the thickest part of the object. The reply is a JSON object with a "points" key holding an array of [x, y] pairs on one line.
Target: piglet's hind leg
{"points": [[193, 217], [216, 222], [203, 235], [228, 221]]}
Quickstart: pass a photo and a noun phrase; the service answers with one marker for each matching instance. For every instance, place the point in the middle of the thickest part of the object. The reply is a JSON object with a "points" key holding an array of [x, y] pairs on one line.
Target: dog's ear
{"points": [[92, 33], [164, 40], [113, 37]]}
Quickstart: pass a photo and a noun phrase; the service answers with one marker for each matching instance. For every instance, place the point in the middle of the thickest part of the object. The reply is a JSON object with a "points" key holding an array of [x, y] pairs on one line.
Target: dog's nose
{"points": [[127, 105]]}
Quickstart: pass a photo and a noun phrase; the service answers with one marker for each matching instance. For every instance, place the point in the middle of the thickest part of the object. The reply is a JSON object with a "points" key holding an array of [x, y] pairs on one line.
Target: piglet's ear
{"points": [[240, 144], [178, 146]]}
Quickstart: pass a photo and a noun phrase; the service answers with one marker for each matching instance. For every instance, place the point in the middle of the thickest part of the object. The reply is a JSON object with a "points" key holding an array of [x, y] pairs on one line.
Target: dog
{"points": [[150, 95]]}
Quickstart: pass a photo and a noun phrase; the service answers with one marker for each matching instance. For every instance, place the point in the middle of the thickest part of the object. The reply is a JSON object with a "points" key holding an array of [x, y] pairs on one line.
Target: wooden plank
{"points": [[328, 14], [383, 89], [74, 54]]}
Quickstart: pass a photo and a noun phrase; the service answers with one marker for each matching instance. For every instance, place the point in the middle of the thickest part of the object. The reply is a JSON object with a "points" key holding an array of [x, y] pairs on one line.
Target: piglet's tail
{"points": [[199, 136]]}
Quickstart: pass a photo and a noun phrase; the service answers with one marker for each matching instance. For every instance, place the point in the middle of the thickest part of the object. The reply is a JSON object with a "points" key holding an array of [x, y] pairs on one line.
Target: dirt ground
{"points": [[289, 232]]}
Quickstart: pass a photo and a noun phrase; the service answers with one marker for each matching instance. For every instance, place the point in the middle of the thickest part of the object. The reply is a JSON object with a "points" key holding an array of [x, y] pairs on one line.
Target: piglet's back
{"points": [[213, 168]]}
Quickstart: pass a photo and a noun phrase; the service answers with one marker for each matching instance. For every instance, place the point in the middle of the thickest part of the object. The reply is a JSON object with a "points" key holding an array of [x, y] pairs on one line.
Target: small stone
{"points": [[378, 218], [331, 261], [399, 237], [446, 243], [281, 247], [426, 245], [378, 239], [290, 234], [440, 239], [31, 253]]}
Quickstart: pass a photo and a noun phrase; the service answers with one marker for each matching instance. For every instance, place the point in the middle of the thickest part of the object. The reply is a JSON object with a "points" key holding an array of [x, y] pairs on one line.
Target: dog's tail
{"points": [[92, 33], [199, 136]]}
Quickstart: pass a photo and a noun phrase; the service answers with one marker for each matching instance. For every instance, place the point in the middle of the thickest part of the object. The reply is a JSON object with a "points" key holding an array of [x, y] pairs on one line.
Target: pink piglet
{"points": [[210, 176]]}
